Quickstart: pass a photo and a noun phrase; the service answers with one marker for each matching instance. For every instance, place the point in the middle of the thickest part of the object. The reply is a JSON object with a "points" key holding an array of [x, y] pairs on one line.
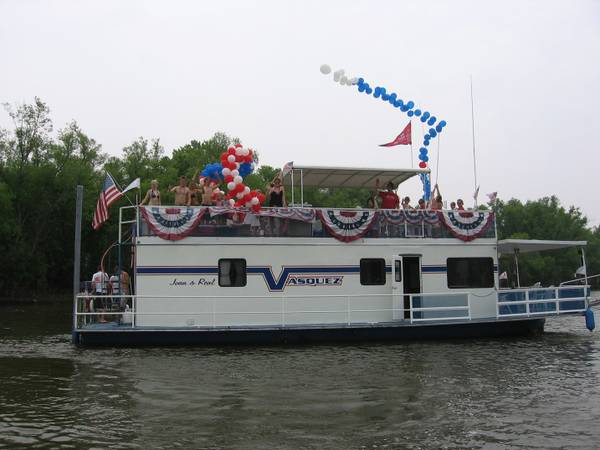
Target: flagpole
{"points": [[473, 136]]}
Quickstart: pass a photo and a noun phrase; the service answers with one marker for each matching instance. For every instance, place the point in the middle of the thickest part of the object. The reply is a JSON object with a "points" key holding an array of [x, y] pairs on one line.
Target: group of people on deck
{"points": [[388, 199], [206, 195]]}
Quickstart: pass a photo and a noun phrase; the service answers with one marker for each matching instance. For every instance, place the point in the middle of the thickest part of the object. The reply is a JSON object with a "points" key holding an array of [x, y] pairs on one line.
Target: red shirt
{"points": [[389, 200]]}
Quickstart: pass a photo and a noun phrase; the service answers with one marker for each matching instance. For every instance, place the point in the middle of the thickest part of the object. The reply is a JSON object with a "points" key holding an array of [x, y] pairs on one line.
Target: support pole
{"points": [[584, 271], [301, 188], [77, 254], [517, 267], [292, 187]]}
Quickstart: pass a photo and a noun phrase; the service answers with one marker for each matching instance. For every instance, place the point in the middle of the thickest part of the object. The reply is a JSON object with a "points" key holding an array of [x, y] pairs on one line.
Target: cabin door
{"points": [[406, 272], [397, 288]]}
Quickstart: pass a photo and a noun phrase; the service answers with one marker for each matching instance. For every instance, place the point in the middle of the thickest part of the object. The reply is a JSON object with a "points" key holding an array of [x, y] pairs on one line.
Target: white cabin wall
{"points": [[264, 306]]}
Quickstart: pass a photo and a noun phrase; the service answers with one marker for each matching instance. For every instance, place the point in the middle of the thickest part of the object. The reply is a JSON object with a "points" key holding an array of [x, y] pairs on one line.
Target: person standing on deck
{"points": [[153, 195], [389, 198], [182, 192], [276, 193], [100, 286]]}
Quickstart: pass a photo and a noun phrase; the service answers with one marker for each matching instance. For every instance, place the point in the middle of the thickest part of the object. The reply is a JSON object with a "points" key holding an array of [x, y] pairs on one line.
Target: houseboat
{"points": [[303, 274]]}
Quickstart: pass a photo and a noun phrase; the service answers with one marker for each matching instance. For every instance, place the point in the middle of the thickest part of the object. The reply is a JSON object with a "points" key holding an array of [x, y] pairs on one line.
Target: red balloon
{"points": [[231, 151], [261, 198], [228, 178], [238, 145], [422, 165]]}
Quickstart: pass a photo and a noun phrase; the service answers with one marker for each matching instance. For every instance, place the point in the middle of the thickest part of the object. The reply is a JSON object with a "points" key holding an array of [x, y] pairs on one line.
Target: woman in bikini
{"points": [[153, 195]]}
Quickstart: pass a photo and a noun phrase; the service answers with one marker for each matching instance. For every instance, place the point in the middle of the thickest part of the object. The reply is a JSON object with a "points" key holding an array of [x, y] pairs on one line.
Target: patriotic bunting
{"points": [[172, 223], [394, 216], [467, 225], [347, 226]]}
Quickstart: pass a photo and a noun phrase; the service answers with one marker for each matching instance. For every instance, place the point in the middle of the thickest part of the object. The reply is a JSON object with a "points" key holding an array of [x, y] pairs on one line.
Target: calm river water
{"points": [[528, 392]]}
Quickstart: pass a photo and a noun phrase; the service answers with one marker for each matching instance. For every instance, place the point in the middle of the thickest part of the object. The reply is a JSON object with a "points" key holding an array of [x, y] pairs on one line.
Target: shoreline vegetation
{"points": [[40, 167]]}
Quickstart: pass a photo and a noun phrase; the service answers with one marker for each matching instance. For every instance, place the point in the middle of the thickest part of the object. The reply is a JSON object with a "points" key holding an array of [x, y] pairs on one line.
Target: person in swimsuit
{"points": [[194, 193], [182, 192], [276, 194], [153, 195], [207, 193]]}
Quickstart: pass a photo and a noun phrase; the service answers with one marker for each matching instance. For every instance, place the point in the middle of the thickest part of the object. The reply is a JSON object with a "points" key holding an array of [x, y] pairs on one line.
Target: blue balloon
{"points": [[442, 123], [393, 97], [404, 108], [426, 115], [245, 169], [361, 80], [368, 90], [410, 114], [438, 128], [432, 132], [425, 158], [385, 97], [410, 104], [377, 92], [397, 104], [422, 149], [361, 87], [426, 142], [417, 112], [426, 137], [431, 120]]}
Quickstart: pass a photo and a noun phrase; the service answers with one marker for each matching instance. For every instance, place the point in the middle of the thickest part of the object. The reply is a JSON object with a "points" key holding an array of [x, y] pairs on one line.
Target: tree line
{"points": [[40, 167]]}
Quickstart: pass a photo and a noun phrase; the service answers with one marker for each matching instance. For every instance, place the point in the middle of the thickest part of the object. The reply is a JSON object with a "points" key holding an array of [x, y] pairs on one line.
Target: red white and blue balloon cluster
{"points": [[236, 163], [407, 107]]}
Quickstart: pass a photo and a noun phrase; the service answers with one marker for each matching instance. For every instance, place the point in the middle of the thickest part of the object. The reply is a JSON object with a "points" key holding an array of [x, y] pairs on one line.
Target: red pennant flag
{"points": [[404, 138]]}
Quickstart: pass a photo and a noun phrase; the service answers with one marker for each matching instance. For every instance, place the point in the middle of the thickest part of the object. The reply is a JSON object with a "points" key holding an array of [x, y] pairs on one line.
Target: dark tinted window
{"points": [[470, 273], [372, 271], [232, 272]]}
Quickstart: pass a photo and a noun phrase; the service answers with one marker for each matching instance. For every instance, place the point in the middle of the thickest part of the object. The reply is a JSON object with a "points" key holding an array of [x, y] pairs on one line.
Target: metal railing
{"points": [[422, 308], [542, 301]]}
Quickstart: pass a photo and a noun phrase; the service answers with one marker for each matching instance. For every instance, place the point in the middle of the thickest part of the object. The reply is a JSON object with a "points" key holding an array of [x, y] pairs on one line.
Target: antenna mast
{"points": [[473, 135]]}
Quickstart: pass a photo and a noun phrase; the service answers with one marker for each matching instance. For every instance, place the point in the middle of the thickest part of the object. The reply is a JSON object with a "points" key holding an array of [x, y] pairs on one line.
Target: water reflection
{"points": [[534, 393]]}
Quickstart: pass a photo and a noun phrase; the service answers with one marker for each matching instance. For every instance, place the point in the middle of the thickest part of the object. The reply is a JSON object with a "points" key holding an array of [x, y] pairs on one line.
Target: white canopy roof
{"points": [[348, 177], [534, 245]]}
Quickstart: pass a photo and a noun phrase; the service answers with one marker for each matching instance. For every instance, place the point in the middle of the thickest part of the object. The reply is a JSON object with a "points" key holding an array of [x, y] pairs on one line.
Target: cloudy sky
{"points": [[182, 70]]}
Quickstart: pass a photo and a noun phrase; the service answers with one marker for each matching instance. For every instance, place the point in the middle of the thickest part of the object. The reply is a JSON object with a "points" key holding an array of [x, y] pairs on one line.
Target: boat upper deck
{"points": [[346, 225]]}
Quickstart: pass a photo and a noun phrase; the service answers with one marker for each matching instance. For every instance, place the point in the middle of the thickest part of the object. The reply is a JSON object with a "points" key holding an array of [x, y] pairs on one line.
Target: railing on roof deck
{"points": [[310, 222]]}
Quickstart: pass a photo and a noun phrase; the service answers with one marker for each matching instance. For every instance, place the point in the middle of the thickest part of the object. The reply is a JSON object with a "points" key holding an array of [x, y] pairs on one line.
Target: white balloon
{"points": [[254, 201], [246, 190], [235, 173], [325, 69], [230, 185], [337, 75], [353, 81], [344, 80], [238, 151], [231, 201], [237, 166], [239, 195], [231, 158], [253, 166], [226, 171], [237, 180], [245, 151], [248, 204]]}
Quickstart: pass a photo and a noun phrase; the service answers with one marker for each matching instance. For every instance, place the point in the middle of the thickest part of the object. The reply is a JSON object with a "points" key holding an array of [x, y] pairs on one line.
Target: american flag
{"points": [[109, 194]]}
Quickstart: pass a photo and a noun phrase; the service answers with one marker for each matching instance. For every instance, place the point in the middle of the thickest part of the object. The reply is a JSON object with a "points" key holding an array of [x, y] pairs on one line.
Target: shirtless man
{"points": [[182, 192]]}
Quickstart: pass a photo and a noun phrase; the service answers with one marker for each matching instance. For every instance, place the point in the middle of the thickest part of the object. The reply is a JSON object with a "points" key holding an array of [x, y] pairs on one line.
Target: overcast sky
{"points": [[183, 70]]}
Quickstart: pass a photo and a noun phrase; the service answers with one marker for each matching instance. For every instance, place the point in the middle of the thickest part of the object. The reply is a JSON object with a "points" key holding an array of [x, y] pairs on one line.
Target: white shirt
{"points": [[100, 282]]}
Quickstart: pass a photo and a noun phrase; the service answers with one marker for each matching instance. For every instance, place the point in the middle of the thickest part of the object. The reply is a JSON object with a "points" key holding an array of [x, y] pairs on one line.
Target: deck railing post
{"points": [[527, 302], [77, 251]]}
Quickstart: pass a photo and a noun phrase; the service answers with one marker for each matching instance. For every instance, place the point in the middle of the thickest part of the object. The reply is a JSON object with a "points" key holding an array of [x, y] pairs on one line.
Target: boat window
{"points": [[398, 270], [232, 272], [372, 271], [470, 273]]}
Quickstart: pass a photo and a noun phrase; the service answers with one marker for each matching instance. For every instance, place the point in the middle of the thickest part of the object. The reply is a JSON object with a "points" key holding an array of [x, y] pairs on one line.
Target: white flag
{"points": [[580, 272], [503, 276], [492, 196], [133, 185], [287, 168]]}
